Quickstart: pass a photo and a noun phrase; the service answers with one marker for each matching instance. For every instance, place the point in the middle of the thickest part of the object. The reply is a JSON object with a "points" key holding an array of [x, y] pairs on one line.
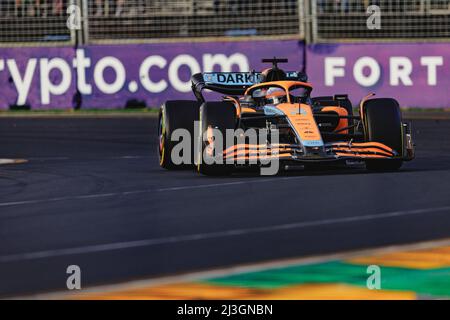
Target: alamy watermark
{"points": [[238, 147], [74, 280], [374, 20], [74, 17], [374, 280]]}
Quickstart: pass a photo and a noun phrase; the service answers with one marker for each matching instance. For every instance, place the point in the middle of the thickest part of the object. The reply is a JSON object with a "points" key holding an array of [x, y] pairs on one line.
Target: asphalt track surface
{"points": [[92, 195]]}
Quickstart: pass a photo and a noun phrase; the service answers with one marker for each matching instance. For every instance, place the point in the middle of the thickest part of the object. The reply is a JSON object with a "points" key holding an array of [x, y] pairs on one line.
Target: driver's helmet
{"points": [[275, 95]]}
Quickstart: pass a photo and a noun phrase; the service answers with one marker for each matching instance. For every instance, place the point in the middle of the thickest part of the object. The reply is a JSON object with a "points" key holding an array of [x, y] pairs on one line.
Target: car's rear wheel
{"points": [[383, 123], [217, 116], [174, 115], [341, 101]]}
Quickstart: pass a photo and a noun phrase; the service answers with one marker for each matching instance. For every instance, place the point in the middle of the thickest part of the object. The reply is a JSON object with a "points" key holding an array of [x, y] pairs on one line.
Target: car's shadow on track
{"points": [[329, 171], [420, 164]]}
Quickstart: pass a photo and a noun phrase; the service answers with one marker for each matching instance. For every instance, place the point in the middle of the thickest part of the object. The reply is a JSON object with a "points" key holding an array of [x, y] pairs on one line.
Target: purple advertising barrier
{"points": [[108, 76], [38, 77], [417, 75], [159, 72]]}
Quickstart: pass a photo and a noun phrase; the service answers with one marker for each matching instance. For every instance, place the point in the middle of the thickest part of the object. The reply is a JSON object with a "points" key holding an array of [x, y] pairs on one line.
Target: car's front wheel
{"points": [[383, 123], [174, 115], [214, 117]]}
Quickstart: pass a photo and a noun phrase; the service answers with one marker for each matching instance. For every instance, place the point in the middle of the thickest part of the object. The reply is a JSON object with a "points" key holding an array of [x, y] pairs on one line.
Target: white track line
{"points": [[49, 158], [208, 236], [127, 193], [12, 161], [126, 157]]}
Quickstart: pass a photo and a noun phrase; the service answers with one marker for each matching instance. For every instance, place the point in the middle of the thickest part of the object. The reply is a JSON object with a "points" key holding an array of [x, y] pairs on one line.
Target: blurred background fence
{"points": [[400, 19], [34, 21], [139, 19], [117, 21]]}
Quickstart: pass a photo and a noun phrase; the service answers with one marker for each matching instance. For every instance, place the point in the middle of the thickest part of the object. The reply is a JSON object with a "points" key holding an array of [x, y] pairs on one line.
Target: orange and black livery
{"points": [[310, 130]]}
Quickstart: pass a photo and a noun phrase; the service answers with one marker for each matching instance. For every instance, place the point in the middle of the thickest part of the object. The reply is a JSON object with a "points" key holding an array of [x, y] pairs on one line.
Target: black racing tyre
{"points": [[176, 115], [221, 116], [383, 123]]}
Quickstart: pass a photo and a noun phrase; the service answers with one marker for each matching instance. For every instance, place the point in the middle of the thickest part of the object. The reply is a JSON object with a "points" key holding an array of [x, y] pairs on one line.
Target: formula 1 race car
{"points": [[311, 131]]}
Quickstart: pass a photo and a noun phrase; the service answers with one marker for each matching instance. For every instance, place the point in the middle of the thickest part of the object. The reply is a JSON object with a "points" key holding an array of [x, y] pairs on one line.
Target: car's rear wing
{"points": [[231, 83]]}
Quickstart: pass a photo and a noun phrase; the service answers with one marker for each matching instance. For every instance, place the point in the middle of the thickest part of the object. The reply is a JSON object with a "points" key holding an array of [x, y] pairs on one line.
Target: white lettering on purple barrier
{"points": [[48, 88], [432, 63], [182, 60], [22, 84], [400, 71], [225, 63], [374, 75], [334, 67], [81, 63], [119, 70], [144, 74]]}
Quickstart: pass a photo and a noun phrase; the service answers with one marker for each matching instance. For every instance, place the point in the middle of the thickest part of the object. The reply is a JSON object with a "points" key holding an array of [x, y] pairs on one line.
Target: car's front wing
{"points": [[331, 151]]}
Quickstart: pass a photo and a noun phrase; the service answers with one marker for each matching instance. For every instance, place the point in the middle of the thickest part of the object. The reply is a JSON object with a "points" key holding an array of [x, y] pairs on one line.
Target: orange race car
{"points": [[271, 116]]}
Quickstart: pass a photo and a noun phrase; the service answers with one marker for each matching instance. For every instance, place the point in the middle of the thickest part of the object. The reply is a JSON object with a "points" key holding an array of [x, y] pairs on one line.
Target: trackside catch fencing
{"points": [[117, 21]]}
